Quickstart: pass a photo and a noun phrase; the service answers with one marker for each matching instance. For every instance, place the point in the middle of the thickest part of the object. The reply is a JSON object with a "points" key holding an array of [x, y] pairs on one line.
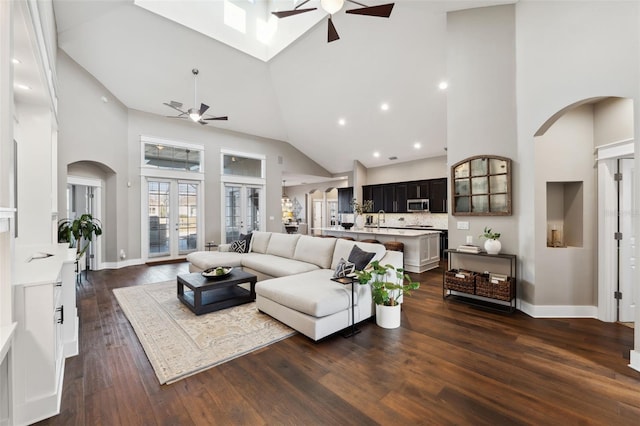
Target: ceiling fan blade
{"points": [[332, 34], [202, 122], [217, 118], [382, 11], [174, 105], [203, 108], [286, 13], [176, 116]]}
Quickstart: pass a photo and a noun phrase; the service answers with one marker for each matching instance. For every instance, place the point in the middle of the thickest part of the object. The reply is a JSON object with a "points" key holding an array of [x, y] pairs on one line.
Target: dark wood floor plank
{"points": [[448, 363]]}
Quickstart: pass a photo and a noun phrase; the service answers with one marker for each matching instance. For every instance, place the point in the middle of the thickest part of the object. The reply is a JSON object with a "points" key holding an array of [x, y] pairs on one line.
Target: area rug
{"points": [[179, 344]]}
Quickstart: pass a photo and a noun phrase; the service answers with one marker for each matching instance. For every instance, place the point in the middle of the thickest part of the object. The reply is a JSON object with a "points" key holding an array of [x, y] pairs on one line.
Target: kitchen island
{"points": [[421, 247]]}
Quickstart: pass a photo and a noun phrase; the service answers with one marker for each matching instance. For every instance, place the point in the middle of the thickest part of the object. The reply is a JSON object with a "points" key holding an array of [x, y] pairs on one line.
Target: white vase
{"points": [[492, 246], [388, 316], [360, 221]]}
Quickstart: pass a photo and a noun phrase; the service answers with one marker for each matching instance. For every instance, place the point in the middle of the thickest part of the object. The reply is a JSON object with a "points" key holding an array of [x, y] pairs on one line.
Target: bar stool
{"points": [[370, 240], [348, 238], [394, 246]]}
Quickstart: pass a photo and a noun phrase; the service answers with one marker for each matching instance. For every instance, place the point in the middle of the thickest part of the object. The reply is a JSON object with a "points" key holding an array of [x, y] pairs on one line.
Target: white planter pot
{"points": [[360, 221], [388, 316], [492, 246]]}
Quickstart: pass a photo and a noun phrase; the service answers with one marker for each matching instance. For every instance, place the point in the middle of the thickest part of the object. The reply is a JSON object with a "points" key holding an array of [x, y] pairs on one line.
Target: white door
{"points": [[626, 259], [317, 217], [172, 222], [242, 209]]}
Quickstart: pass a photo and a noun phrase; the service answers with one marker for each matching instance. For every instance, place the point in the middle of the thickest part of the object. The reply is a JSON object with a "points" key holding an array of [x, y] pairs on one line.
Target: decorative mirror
{"points": [[481, 186]]}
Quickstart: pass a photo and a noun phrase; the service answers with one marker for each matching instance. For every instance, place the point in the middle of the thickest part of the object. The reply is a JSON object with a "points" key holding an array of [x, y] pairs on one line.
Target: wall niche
{"points": [[565, 214]]}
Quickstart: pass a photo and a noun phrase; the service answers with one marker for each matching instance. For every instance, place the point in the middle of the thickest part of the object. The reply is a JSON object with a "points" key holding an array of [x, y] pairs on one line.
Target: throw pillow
{"points": [[239, 246], [247, 238], [343, 268], [360, 258]]}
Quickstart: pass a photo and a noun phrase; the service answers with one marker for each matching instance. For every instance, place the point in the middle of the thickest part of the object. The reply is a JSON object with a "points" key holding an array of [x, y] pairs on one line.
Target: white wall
{"points": [[566, 52], [428, 168], [36, 190], [481, 111], [613, 121]]}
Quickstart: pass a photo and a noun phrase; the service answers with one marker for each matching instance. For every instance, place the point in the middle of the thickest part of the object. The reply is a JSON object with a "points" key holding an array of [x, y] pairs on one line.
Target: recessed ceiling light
{"points": [[443, 85], [417, 145], [16, 61], [384, 106], [342, 122], [23, 86], [376, 154]]}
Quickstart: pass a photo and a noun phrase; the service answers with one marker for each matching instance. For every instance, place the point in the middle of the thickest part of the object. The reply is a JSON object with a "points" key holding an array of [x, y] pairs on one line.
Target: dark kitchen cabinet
{"points": [[418, 190], [438, 195], [394, 198], [375, 194], [345, 198]]}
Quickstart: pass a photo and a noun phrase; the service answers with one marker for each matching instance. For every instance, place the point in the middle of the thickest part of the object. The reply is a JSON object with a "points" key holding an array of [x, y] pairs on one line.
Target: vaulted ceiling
{"points": [[297, 96]]}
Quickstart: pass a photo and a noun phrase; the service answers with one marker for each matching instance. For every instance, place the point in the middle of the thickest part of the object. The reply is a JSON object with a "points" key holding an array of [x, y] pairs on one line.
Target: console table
{"points": [[477, 292]]}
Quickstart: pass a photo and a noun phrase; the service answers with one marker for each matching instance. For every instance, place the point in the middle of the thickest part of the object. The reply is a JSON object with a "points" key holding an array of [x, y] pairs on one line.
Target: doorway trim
{"points": [[607, 165]]}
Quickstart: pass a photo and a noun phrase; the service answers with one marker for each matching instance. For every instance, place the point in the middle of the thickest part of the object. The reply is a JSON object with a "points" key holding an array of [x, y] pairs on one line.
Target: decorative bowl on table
{"points": [[347, 225], [217, 272]]}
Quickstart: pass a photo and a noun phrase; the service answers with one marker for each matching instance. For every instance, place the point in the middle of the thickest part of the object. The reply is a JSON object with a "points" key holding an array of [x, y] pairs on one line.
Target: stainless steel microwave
{"points": [[421, 205]]}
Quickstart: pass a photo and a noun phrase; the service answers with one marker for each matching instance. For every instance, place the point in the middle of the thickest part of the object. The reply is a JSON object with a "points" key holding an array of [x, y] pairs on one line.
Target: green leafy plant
{"points": [[386, 292], [489, 234], [365, 207], [74, 231]]}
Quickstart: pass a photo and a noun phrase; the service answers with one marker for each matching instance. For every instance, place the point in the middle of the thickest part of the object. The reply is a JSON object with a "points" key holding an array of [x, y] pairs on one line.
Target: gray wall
{"points": [[481, 113], [108, 134]]}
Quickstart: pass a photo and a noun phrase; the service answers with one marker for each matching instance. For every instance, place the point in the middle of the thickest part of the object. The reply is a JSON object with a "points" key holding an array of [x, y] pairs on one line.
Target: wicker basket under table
{"points": [[501, 290], [464, 284]]}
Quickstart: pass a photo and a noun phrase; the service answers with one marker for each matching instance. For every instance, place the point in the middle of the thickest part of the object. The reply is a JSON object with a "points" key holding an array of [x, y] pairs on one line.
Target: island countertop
{"points": [[381, 231]]}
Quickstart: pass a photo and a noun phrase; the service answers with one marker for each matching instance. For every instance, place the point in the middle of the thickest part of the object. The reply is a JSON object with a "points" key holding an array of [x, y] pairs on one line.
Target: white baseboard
{"points": [[635, 360], [558, 311], [123, 264]]}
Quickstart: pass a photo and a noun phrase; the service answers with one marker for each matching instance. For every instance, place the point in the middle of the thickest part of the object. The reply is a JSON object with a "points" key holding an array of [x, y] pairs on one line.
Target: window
{"points": [[172, 157], [239, 165], [481, 186]]}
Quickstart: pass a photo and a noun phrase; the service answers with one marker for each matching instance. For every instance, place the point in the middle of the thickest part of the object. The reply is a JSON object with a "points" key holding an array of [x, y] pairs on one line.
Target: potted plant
{"points": [[359, 209], [387, 287], [73, 231], [492, 245]]}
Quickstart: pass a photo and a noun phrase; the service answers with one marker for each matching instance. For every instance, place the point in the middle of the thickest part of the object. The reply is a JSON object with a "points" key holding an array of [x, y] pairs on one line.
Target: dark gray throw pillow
{"points": [[360, 258]]}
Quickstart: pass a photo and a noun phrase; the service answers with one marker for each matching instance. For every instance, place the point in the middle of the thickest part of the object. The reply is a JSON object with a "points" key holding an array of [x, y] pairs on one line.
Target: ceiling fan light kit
{"points": [[194, 114], [334, 6]]}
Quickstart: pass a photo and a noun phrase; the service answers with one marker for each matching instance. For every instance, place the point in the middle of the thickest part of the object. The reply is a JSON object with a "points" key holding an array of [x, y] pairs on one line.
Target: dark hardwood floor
{"points": [[447, 364]]}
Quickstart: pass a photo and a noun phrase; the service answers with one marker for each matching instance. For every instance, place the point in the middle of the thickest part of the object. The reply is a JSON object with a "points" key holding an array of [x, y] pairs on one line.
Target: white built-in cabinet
{"points": [[44, 306]]}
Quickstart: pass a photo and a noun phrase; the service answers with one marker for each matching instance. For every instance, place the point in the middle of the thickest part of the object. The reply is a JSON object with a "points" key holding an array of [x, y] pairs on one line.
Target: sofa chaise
{"points": [[294, 278]]}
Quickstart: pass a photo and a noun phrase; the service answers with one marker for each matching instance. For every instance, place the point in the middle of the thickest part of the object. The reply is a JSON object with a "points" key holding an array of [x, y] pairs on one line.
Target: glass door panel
{"points": [[159, 210], [188, 217], [241, 210]]}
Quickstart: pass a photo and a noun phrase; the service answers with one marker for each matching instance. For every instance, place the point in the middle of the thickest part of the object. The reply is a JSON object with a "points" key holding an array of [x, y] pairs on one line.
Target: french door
{"points": [[243, 207], [173, 221]]}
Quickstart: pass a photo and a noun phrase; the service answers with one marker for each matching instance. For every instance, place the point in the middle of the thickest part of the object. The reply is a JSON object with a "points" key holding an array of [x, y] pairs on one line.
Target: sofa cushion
{"points": [[312, 293], [343, 249], [277, 266], [283, 245], [208, 259], [315, 250], [260, 241]]}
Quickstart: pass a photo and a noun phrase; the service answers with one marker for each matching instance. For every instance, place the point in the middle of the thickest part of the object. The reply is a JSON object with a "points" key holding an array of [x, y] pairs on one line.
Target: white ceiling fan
{"points": [[196, 115]]}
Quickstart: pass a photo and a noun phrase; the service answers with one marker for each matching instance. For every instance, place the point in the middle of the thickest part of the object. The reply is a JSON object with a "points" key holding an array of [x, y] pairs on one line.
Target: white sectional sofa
{"points": [[294, 279]]}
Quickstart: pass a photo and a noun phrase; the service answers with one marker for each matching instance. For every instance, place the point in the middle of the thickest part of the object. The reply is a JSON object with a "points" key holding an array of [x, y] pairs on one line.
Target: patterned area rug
{"points": [[179, 344]]}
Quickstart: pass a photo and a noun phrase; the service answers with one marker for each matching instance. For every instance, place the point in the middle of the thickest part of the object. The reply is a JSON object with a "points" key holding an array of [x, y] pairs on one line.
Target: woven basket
{"points": [[464, 285], [502, 290]]}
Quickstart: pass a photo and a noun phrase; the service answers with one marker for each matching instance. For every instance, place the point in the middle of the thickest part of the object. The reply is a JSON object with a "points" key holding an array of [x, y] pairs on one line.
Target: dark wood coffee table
{"points": [[212, 294]]}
